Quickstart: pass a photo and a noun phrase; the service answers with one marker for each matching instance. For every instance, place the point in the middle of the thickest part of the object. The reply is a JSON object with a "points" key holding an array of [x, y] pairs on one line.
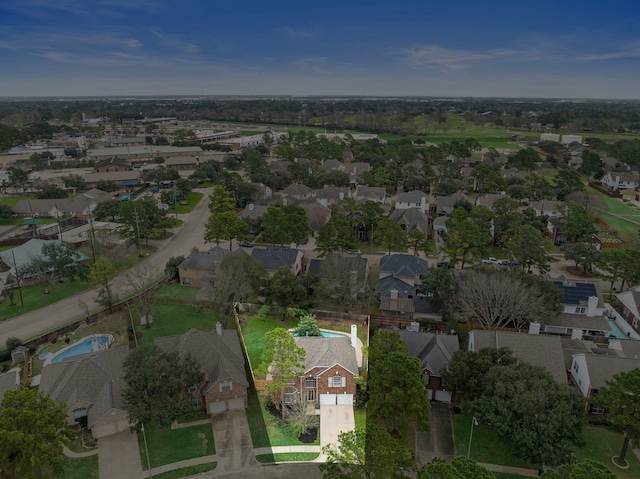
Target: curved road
{"points": [[38, 323]]}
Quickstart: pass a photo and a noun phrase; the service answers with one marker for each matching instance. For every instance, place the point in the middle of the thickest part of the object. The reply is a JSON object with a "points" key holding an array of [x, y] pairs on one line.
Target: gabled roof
{"points": [[445, 203], [539, 350], [95, 379], [368, 192], [404, 265], [384, 287], [415, 196], [411, 218], [326, 352], [205, 260], [112, 161], [317, 214], [27, 252], [275, 257], [433, 350], [488, 199], [332, 193], [9, 381], [297, 189], [331, 164], [252, 211], [219, 355], [602, 368], [631, 299]]}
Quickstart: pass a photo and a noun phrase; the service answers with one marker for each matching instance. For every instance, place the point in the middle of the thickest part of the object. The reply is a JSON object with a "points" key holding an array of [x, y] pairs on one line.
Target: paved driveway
{"points": [[118, 456], [233, 440], [438, 441], [334, 419]]}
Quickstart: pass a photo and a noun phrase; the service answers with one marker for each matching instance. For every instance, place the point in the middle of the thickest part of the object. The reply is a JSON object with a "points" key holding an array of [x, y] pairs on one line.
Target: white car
{"points": [[490, 261]]}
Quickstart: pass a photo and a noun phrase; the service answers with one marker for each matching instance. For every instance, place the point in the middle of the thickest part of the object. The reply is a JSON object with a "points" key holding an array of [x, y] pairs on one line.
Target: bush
{"points": [[13, 343], [298, 422]]}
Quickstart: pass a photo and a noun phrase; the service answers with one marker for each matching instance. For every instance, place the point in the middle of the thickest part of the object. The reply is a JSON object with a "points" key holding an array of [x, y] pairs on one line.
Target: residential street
{"points": [[51, 317]]}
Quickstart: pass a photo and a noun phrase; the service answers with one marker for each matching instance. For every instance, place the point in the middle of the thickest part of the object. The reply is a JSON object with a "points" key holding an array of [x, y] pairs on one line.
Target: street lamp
{"points": [[474, 422]]}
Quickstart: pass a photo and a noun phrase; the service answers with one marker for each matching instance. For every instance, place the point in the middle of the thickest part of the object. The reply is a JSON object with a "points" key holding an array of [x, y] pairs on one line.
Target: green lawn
{"points": [[287, 457], [628, 224], [254, 331], [265, 428], [192, 198], [172, 319], [187, 471], [176, 291], [602, 444], [83, 468], [168, 446], [13, 200], [34, 298], [360, 416]]}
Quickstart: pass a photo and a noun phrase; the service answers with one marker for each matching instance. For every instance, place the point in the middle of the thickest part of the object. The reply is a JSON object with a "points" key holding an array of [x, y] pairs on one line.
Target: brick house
{"points": [[627, 303], [330, 370], [219, 354], [199, 268]]}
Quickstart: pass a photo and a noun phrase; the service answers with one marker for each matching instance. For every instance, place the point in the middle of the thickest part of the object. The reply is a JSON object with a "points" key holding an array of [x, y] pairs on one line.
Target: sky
{"points": [[478, 48]]}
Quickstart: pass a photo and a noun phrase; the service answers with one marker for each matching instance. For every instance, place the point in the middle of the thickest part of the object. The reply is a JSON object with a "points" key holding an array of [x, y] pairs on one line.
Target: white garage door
{"points": [[346, 399], [444, 396], [236, 403], [327, 399], [217, 406]]}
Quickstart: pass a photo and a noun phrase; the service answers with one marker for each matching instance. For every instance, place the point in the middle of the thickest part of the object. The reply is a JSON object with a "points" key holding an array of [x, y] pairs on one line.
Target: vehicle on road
{"points": [[246, 244], [444, 264], [355, 251], [490, 261]]}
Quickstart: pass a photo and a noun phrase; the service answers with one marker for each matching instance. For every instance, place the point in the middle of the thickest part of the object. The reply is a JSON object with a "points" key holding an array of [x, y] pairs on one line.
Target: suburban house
{"points": [[330, 195], [297, 191], [406, 267], [440, 224], [219, 354], [112, 164], [411, 219], [348, 273], [540, 350], [9, 381], [354, 170], [80, 205], [627, 303], [591, 370], [580, 297], [330, 371], [276, 257], [199, 268], [91, 386], [253, 212], [22, 256], [413, 199], [434, 352], [620, 180], [332, 165], [317, 214], [547, 208], [445, 204], [399, 278], [371, 193], [488, 199]]}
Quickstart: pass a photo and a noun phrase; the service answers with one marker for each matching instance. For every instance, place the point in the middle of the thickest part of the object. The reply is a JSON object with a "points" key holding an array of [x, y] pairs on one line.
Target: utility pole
{"points": [[137, 220], [93, 245], [18, 279]]}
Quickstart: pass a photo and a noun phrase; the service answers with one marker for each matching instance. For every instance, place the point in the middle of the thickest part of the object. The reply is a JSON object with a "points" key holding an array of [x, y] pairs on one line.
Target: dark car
{"points": [[246, 244], [443, 264]]}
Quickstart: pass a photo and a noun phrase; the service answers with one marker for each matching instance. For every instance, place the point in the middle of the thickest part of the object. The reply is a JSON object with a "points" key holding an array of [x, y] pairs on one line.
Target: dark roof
{"points": [[433, 350], [205, 260], [411, 218], [326, 352], [9, 381], [112, 161], [576, 293], [275, 257], [404, 265], [219, 355], [314, 266], [385, 285]]}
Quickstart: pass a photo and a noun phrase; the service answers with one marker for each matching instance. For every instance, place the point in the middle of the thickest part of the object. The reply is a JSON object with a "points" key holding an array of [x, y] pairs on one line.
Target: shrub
{"points": [[13, 343], [298, 422]]}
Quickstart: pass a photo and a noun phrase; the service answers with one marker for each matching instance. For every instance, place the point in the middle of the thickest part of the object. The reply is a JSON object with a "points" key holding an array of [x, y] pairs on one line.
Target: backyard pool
{"points": [[89, 344], [328, 334]]}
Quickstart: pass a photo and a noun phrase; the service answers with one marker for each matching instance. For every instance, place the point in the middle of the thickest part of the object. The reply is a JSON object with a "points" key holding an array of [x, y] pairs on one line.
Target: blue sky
{"points": [[561, 48]]}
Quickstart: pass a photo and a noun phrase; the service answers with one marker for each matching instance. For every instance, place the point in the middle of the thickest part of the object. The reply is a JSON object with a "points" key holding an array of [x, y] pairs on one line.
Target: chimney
{"points": [[534, 327], [354, 335], [592, 305], [341, 193], [250, 206], [394, 294], [219, 328], [576, 334]]}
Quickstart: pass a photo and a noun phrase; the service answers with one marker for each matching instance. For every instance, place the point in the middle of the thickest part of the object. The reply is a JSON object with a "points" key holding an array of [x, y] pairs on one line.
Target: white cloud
{"points": [[451, 59], [175, 41]]}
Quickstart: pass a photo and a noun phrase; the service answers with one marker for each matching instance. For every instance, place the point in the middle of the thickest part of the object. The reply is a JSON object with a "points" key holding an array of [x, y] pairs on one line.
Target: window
{"points": [[635, 323], [186, 280], [337, 381], [310, 383], [581, 310], [576, 367], [226, 386], [595, 409], [197, 401], [80, 412]]}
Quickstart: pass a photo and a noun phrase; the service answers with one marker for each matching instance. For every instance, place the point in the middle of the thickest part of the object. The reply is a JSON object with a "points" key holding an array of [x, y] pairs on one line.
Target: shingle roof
{"points": [[219, 356], [253, 212], [366, 192], [9, 381], [445, 203], [404, 265], [433, 350], [415, 196], [412, 218], [539, 350], [326, 352], [297, 189], [113, 161], [317, 214], [27, 252], [205, 260], [602, 368], [333, 192], [89, 378], [275, 257]]}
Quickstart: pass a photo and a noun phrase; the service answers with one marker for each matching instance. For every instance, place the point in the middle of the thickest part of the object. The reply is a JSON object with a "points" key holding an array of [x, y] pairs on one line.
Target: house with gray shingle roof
{"points": [[330, 195], [411, 219], [91, 386], [82, 204], [628, 303], [413, 199], [219, 354], [620, 180], [371, 193], [434, 352], [317, 214], [488, 199], [26, 253], [444, 204], [276, 257], [409, 268], [9, 381], [199, 268], [298, 191], [539, 350], [330, 367]]}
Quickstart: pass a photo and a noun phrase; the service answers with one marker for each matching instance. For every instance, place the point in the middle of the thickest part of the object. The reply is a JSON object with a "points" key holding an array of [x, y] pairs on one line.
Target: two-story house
{"points": [[413, 199]]}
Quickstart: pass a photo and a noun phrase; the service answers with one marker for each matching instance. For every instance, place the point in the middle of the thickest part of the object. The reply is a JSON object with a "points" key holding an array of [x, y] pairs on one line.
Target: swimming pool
{"points": [[89, 344], [328, 334]]}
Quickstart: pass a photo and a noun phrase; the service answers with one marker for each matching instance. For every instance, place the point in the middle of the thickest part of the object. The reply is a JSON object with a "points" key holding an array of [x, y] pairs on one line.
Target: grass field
{"points": [[175, 291], [254, 331], [287, 457], [13, 200], [601, 445], [192, 198], [619, 215], [82, 468], [168, 446]]}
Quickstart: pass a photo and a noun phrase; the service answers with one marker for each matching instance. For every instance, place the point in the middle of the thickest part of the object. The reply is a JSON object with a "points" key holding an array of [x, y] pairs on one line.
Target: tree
{"points": [[525, 159], [284, 360], [368, 452], [18, 178], [459, 468], [440, 287], [171, 267], [343, 281], [583, 254], [496, 300], [308, 326], [395, 385], [101, 274], [225, 226], [578, 224], [335, 235], [285, 289], [51, 192], [107, 185], [141, 282], [542, 419], [107, 209], [584, 470], [159, 386], [621, 400], [566, 182], [238, 276], [220, 200], [389, 234], [592, 164], [418, 241], [141, 219], [285, 224], [530, 248], [74, 182], [6, 211], [33, 430], [620, 264]]}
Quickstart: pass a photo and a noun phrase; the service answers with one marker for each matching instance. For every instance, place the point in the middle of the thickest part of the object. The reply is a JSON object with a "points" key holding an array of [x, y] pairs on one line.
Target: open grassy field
{"points": [[623, 217], [168, 446]]}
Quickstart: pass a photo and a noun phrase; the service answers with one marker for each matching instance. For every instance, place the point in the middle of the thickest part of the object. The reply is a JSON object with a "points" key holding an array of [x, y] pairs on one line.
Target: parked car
{"points": [[246, 244], [444, 264], [490, 261], [355, 251]]}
